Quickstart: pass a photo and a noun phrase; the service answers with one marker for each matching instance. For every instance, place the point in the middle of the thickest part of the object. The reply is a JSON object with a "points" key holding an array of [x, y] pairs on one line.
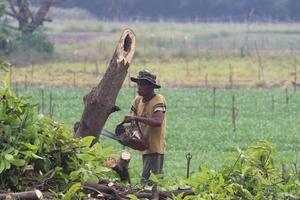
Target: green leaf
{"points": [[36, 156], [72, 191], [2, 166], [87, 141], [85, 156], [8, 157], [74, 175], [93, 179], [30, 146], [132, 197], [18, 162]]}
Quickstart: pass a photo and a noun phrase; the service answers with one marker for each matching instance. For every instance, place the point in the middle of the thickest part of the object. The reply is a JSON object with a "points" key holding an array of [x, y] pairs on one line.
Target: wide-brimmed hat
{"points": [[146, 75]]}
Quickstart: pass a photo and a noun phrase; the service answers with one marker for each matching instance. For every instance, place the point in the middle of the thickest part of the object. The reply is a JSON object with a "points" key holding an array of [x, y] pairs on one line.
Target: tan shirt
{"points": [[153, 136]]}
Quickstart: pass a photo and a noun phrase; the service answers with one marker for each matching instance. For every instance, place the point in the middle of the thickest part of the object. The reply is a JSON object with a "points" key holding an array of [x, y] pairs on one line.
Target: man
{"points": [[148, 110]]}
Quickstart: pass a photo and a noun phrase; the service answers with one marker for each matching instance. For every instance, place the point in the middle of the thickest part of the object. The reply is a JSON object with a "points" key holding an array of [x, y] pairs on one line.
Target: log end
{"points": [[126, 155], [126, 47], [39, 194]]}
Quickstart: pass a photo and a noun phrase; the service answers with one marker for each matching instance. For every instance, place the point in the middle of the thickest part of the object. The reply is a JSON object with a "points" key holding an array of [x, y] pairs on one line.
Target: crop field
{"points": [[183, 54], [199, 122]]}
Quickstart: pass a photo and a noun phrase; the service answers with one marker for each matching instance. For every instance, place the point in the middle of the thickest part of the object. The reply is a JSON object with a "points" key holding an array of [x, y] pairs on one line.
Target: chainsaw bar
{"points": [[109, 134]]}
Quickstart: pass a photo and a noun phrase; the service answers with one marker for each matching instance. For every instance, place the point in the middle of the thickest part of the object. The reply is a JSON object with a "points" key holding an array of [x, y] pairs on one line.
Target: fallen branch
{"points": [[35, 194], [106, 191]]}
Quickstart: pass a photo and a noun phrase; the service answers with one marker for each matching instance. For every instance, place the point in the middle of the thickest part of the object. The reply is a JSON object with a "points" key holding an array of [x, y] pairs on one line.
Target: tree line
{"points": [[238, 10]]}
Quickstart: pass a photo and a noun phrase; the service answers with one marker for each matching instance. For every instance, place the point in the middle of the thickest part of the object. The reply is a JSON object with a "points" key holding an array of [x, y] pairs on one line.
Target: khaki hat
{"points": [[146, 75]]}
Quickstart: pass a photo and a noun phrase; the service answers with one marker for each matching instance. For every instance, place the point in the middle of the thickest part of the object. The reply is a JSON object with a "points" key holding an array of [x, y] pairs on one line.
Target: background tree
{"points": [[28, 19]]}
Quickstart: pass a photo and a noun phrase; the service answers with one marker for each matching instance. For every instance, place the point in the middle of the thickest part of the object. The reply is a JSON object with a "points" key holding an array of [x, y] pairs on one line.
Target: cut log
{"points": [[100, 102], [107, 191], [121, 166], [35, 194]]}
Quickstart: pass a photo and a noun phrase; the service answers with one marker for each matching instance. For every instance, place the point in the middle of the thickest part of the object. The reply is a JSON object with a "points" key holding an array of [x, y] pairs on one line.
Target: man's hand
{"points": [[129, 119]]}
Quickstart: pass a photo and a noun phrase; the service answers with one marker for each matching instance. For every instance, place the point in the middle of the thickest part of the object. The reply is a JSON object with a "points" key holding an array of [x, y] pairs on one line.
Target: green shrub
{"points": [[36, 151], [37, 41]]}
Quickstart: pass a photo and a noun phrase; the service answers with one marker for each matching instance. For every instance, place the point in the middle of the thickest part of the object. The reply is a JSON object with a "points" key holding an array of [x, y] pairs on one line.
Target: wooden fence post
{"points": [[295, 76], [273, 103], [214, 102], [97, 68], [74, 79], [230, 76], [43, 101], [286, 96], [51, 105], [234, 113], [26, 81]]}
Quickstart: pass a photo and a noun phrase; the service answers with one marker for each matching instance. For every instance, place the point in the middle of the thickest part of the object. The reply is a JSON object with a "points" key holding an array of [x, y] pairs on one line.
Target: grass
{"points": [[191, 126]]}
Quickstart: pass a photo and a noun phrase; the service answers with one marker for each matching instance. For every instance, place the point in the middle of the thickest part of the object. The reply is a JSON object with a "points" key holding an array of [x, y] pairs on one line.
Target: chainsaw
{"points": [[127, 134]]}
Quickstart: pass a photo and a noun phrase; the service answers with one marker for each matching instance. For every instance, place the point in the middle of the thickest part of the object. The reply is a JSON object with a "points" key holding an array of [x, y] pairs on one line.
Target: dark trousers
{"points": [[154, 163]]}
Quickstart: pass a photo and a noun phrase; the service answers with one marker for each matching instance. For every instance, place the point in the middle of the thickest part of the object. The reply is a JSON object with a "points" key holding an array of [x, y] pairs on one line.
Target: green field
{"points": [[192, 127]]}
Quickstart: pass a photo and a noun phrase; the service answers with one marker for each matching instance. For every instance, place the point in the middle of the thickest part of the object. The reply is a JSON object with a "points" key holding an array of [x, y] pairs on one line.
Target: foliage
{"points": [[37, 41], [252, 176], [36, 151], [15, 43]]}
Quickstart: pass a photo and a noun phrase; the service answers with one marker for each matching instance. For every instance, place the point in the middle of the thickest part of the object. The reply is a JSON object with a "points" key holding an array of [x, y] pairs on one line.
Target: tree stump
{"points": [[100, 102], [121, 166]]}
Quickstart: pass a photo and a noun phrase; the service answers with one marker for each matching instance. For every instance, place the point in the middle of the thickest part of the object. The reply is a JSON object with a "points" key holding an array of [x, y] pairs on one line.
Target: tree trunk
{"points": [[100, 102], [28, 21]]}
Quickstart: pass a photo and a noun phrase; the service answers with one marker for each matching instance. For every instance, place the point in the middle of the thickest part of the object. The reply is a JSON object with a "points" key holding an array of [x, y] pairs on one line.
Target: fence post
{"points": [[214, 102], [26, 81], [231, 76], [234, 113], [206, 80], [295, 76], [51, 105], [286, 96], [43, 100], [273, 103], [74, 79], [97, 68]]}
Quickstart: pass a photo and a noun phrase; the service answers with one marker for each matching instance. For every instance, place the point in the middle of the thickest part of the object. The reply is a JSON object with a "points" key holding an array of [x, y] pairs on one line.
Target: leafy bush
{"points": [[38, 152], [252, 176], [37, 42]]}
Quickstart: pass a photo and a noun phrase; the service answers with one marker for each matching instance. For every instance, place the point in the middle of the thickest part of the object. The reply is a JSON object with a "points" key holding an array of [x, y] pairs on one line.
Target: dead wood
{"points": [[100, 102], [35, 194], [110, 192], [107, 191]]}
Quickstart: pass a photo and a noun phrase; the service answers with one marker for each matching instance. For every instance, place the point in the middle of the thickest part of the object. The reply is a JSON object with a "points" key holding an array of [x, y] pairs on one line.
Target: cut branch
{"points": [[35, 194], [100, 102]]}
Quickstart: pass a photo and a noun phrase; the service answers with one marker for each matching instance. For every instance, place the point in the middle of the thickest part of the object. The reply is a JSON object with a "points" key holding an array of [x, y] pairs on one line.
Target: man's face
{"points": [[144, 87]]}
